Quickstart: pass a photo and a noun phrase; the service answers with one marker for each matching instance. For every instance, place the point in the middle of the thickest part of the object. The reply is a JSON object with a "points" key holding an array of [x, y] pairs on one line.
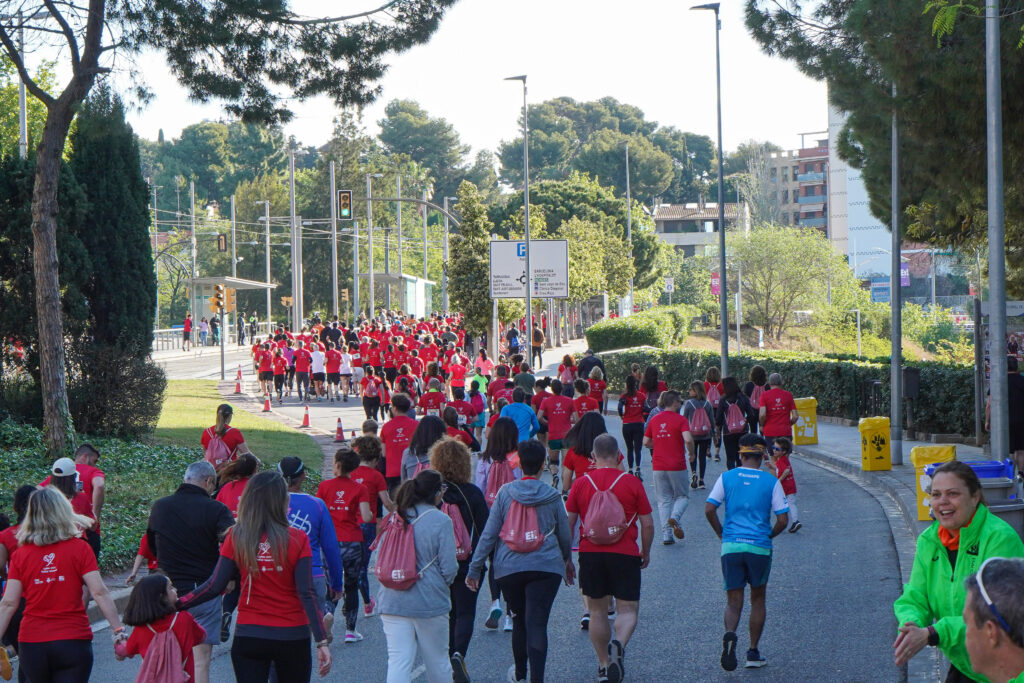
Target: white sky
{"points": [[654, 54]]}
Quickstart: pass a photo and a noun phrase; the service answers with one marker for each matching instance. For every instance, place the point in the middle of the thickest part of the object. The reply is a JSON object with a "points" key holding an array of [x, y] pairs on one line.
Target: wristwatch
{"points": [[323, 643], [933, 636]]}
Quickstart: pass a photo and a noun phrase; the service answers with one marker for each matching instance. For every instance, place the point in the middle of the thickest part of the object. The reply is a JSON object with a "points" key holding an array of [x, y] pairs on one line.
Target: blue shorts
{"points": [[740, 569]]}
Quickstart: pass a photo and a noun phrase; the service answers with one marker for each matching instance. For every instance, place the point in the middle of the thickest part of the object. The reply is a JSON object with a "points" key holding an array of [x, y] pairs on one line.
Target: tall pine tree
{"points": [[122, 287]]}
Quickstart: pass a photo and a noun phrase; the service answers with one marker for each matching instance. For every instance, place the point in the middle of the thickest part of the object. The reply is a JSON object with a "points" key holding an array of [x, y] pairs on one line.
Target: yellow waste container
{"points": [[875, 451], [921, 457], [805, 431]]}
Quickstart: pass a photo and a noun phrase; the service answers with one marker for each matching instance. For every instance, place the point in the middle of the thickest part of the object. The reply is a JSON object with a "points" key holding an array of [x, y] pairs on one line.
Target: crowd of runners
{"points": [[469, 470]]}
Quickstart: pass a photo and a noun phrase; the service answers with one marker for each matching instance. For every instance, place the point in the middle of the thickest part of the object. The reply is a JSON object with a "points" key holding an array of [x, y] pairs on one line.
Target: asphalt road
{"points": [[829, 601]]}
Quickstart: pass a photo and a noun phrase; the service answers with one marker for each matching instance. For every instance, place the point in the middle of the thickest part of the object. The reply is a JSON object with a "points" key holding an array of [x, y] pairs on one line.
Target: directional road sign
{"points": [[549, 266]]}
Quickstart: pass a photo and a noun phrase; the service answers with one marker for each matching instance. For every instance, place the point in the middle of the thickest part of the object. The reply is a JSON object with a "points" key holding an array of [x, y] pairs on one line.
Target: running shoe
{"points": [[693, 482], [459, 673], [677, 530], [602, 674], [668, 540], [585, 622], [754, 659], [554, 481], [369, 607], [352, 637], [616, 670], [508, 623], [332, 399], [494, 616], [729, 651], [512, 675], [225, 626], [718, 458], [701, 485], [639, 475], [795, 527]]}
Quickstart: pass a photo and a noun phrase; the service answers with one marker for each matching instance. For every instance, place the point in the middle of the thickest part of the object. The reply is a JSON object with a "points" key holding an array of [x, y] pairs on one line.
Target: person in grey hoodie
{"points": [[429, 431], [418, 616], [529, 581]]}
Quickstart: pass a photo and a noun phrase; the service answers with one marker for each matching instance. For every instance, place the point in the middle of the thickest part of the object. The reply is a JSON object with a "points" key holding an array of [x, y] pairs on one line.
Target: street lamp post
{"points": [[369, 234], [722, 294], [334, 243], [526, 209], [444, 258], [629, 226]]}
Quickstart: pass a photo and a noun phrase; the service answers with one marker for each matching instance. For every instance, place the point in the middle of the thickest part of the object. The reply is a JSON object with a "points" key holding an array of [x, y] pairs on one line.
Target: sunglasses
{"points": [[979, 579], [778, 448]]}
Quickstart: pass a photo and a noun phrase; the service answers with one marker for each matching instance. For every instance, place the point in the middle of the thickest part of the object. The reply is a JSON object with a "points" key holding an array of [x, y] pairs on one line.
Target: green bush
{"points": [[660, 327], [947, 391]]}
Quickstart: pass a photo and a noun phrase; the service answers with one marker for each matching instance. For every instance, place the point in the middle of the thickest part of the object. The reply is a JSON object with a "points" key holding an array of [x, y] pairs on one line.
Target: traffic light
{"points": [[217, 300], [344, 294], [222, 242], [345, 205], [229, 301]]}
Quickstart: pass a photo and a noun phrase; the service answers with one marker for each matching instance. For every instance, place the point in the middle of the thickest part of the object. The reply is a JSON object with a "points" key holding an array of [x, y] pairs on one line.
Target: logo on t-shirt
{"points": [[49, 568]]}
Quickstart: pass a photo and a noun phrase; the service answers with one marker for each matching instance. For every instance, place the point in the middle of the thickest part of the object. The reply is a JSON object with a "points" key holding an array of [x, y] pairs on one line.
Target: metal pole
{"points": [[896, 299], [355, 269], [156, 265], [296, 318], [858, 333], [996, 236], [369, 239], [932, 253], [223, 345], [629, 225], [979, 372], [334, 243], [22, 101], [425, 239], [234, 261], [302, 290], [401, 268], [387, 268], [195, 249], [444, 259], [739, 346], [526, 217], [266, 218], [722, 297]]}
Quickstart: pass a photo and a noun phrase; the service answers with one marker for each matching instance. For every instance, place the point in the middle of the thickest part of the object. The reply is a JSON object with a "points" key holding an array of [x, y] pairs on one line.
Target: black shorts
{"points": [[185, 335], [318, 376], [543, 430], [266, 376], [740, 569], [278, 381], [334, 377], [301, 377], [603, 574]]}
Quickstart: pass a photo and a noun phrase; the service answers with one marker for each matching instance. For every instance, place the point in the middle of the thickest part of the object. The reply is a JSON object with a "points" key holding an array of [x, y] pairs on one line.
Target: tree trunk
{"points": [[58, 428]]}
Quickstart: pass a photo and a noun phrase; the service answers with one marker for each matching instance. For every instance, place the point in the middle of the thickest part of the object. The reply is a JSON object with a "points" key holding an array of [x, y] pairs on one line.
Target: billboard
{"points": [[549, 269]]}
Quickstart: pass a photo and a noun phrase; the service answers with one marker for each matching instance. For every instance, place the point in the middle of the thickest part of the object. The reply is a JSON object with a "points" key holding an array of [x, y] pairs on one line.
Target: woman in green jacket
{"points": [[930, 611]]}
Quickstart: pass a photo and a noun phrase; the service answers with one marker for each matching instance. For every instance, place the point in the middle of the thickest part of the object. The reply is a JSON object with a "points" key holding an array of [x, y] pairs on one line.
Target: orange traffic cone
{"points": [[339, 434], [305, 417], [239, 375], [266, 403], [238, 387]]}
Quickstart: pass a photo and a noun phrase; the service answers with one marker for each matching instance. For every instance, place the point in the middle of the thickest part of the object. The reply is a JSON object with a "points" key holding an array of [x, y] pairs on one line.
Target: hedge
{"points": [[946, 405], [661, 327]]}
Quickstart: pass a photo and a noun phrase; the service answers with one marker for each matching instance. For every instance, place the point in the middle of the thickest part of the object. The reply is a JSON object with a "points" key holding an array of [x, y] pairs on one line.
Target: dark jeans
{"points": [[371, 406], [732, 450], [369, 533], [703, 448], [529, 596], [633, 435], [460, 618], [58, 661], [252, 658], [537, 352], [352, 563]]}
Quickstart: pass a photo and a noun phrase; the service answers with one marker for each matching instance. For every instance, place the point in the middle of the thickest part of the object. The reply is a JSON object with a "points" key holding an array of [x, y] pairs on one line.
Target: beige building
{"points": [[800, 181], [691, 228]]}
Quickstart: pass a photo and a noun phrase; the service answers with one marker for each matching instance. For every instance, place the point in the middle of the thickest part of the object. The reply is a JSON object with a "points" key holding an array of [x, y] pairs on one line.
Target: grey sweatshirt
{"points": [[435, 545], [551, 519]]}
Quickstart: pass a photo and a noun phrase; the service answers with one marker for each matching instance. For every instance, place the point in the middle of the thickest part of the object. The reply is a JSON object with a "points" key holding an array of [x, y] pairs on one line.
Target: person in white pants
{"points": [[668, 436], [416, 619]]}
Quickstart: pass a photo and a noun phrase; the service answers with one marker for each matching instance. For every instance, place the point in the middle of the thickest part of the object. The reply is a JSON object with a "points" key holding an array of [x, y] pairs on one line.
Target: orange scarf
{"points": [[951, 539]]}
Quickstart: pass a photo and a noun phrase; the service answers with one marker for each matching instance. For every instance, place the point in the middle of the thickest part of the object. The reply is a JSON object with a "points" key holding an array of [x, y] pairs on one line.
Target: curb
{"points": [[892, 496], [97, 621]]}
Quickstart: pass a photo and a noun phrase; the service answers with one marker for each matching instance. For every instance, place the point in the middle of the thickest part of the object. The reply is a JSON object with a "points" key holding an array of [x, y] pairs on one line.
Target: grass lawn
{"points": [[190, 406]]}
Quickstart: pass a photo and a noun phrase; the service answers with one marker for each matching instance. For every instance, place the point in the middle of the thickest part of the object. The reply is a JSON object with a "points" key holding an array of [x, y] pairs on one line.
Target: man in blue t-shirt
{"points": [[310, 515], [522, 415], [750, 496]]}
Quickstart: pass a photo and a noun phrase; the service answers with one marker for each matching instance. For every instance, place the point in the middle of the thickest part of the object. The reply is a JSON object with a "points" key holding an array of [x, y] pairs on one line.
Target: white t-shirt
{"points": [[318, 361], [346, 364]]}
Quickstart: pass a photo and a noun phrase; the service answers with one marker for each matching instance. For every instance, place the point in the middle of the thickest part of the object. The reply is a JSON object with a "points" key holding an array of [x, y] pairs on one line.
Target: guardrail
{"points": [[170, 339]]}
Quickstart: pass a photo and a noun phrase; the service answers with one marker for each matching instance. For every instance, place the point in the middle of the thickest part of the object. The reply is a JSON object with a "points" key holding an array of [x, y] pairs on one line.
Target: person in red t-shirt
{"points": [[465, 411], [451, 422], [186, 333], [780, 466], [150, 610], [433, 401], [232, 438], [332, 366], [612, 570], [372, 392], [303, 360], [94, 489], [48, 570], [144, 554], [558, 413], [349, 504], [777, 413], [669, 438], [233, 478], [582, 403], [598, 388], [631, 410], [278, 607], [396, 434], [280, 373]]}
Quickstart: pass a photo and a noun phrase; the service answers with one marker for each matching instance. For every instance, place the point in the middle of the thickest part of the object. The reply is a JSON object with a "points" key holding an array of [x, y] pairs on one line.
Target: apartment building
{"points": [[799, 179]]}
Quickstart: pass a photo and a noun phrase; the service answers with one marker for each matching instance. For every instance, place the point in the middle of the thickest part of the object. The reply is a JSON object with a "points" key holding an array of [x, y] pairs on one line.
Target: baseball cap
{"points": [[290, 467], [589, 352], [64, 467]]}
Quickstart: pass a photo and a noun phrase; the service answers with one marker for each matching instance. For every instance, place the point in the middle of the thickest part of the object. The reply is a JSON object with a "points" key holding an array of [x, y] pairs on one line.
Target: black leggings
{"points": [[702, 448], [352, 563], [460, 618], [529, 596], [251, 658], [371, 405], [58, 661], [732, 450], [633, 435], [11, 636]]}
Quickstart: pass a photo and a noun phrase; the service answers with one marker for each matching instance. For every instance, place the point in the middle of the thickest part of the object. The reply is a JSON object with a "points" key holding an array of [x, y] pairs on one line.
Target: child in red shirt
{"points": [[779, 466], [151, 611]]}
